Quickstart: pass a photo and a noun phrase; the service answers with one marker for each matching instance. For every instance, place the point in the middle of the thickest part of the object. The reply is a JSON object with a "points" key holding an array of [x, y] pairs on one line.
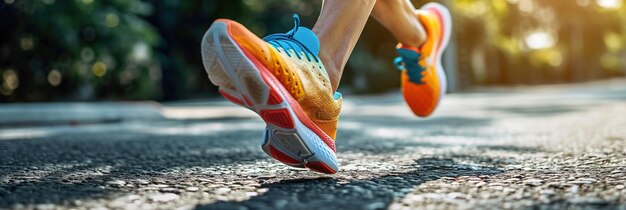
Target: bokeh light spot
{"points": [[99, 69], [610, 61], [9, 1], [613, 42], [141, 52], [609, 4], [27, 43], [512, 1], [555, 58], [112, 20], [583, 3], [54, 77], [526, 6], [540, 40], [87, 54], [10, 80], [87, 1]]}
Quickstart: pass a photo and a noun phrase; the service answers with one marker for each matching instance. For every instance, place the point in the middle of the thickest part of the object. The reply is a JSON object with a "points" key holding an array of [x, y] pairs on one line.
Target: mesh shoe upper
{"points": [[306, 74]]}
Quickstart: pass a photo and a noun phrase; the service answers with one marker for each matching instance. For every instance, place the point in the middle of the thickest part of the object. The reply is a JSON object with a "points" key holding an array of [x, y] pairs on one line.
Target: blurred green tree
{"points": [[77, 50], [98, 50]]}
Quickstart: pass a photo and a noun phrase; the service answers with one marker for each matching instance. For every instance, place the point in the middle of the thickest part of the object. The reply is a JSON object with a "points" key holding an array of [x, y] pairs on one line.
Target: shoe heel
{"points": [[228, 68], [288, 147], [285, 147], [214, 68]]}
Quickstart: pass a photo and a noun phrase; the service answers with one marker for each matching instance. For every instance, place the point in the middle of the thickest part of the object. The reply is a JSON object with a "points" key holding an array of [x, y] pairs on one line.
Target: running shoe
{"points": [[423, 77], [282, 79]]}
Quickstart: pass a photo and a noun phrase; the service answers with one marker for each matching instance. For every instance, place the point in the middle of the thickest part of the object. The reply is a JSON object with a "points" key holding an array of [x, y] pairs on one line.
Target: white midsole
{"points": [[447, 19]]}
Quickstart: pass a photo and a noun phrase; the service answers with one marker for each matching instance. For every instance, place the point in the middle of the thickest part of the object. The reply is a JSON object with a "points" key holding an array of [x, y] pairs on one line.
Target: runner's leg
{"points": [[339, 26], [398, 16]]}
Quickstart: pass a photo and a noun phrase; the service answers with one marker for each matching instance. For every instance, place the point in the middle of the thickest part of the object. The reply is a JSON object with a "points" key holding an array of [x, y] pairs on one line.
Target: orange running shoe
{"points": [[282, 79], [423, 76]]}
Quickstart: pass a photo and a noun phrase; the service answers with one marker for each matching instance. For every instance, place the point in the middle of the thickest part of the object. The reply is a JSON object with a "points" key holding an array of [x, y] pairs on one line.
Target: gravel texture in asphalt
{"points": [[540, 148]]}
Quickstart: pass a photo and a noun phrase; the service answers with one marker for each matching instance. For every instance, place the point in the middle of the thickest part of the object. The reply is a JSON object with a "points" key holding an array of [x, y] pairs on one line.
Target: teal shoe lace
{"points": [[409, 60], [302, 41], [287, 41]]}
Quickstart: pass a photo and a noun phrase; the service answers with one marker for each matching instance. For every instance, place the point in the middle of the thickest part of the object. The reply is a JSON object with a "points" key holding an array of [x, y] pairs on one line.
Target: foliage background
{"points": [[79, 50]]}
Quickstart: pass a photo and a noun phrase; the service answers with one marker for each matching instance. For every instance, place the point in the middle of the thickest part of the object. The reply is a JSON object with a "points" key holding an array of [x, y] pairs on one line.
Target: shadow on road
{"points": [[377, 193], [62, 168]]}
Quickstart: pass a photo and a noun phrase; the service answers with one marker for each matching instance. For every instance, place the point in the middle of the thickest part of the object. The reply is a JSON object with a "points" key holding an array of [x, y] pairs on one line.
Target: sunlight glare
{"points": [[540, 40], [609, 4]]}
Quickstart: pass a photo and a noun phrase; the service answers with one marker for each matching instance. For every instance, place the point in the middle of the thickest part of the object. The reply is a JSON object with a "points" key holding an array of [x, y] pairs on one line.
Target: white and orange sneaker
{"points": [[282, 79], [423, 76]]}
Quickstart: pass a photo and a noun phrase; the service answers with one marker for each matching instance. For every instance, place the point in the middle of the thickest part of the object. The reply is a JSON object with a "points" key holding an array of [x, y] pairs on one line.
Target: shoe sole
{"points": [[443, 14], [290, 136]]}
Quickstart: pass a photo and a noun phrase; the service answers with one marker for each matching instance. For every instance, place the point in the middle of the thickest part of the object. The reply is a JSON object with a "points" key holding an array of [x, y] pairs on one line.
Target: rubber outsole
{"points": [[244, 81]]}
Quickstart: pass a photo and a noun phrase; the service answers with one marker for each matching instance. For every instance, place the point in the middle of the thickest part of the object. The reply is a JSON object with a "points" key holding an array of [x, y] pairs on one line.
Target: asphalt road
{"points": [[534, 148]]}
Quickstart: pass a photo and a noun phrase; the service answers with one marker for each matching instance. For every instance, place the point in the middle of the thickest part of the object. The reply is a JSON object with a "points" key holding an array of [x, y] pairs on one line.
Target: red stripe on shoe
{"points": [[280, 156], [320, 167], [279, 117], [274, 98], [247, 101], [231, 98]]}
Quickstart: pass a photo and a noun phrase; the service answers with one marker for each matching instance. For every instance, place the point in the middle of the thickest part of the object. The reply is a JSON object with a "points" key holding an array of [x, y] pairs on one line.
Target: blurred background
{"points": [[86, 50]]}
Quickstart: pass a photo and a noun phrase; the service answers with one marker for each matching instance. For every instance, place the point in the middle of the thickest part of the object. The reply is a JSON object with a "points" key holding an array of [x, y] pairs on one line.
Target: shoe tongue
{"points": [[307, 38]]}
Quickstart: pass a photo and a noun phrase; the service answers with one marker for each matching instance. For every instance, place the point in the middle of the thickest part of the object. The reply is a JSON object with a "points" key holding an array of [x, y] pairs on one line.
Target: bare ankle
{"points": [[413, 42], [333, 69], [415, 38]]}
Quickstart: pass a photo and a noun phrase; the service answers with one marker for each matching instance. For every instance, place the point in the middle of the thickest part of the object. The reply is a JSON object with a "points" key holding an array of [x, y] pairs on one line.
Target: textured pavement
{"points": [[532, 148]]}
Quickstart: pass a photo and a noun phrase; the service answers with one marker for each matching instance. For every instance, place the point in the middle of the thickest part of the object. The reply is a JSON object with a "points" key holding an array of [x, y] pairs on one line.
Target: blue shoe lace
{"points": [[299, 39], [287, 41], [409, 60]]}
